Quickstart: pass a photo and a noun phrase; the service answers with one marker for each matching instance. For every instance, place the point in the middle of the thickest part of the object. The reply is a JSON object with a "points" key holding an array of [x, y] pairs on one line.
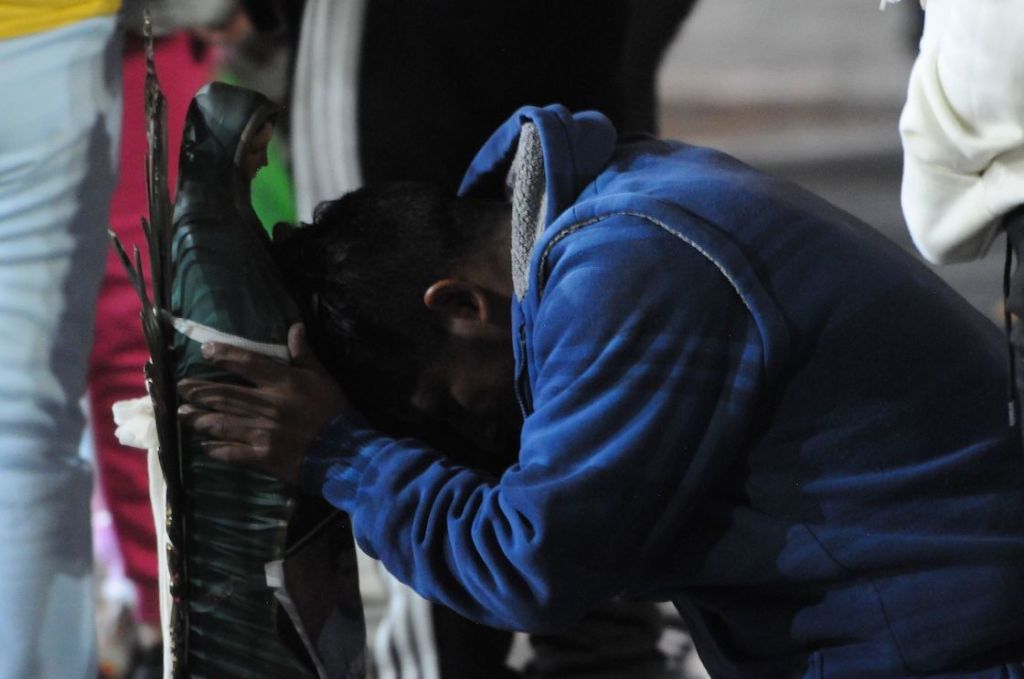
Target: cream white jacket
{"points": [[963, 127]]}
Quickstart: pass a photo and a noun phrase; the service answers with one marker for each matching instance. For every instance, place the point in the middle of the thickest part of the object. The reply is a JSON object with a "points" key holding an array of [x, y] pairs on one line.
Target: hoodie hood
{"points": [[576, 147], [540, 160], [220, 121]]}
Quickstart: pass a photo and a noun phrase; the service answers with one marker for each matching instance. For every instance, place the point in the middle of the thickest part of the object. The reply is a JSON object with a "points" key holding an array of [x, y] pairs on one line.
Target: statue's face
{"points": [[256, 151]]}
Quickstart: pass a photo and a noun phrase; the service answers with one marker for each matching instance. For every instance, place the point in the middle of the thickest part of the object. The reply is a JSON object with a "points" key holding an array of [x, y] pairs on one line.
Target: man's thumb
{"points": [[298, 347]]}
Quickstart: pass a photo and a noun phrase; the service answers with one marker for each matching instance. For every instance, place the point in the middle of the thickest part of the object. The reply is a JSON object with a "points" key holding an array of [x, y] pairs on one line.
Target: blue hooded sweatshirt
{"points": [[738, 398]]}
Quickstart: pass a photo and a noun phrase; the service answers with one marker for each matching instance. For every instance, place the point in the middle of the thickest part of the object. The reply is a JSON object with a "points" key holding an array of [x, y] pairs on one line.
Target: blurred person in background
{"points": [[963, 140], [388, 91], [60, 83]]}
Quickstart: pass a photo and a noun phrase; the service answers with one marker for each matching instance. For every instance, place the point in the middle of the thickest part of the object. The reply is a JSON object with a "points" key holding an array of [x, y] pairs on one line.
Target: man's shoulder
{"points": [[620, 262], [638, 233], [629, 241]]}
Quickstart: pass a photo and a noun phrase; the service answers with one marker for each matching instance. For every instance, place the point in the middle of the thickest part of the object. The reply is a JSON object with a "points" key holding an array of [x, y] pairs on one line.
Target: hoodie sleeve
{"points": [[646, 365]]}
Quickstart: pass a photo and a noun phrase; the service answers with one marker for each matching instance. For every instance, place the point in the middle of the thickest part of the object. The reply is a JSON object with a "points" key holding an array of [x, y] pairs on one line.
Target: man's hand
{"points": [[269, 425]]}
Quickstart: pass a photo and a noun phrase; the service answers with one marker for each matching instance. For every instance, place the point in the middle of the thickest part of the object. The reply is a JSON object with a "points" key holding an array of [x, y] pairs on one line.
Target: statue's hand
{"points": [[269, 425]]}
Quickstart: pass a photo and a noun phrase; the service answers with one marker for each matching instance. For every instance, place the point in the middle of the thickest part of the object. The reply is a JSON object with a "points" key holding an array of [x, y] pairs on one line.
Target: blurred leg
{"points": [[58, 150]]}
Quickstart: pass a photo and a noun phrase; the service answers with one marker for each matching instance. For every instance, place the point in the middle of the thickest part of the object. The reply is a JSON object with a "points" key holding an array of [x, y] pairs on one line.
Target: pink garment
{"points": [[119, 351]]}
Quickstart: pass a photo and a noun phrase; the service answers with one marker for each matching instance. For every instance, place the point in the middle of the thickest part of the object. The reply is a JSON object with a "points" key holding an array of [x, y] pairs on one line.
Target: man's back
{"points": [[868, 502]]}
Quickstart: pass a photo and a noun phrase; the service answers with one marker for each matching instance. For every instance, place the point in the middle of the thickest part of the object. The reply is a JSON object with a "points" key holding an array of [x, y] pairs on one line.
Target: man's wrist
{"points": [[335, 460]]}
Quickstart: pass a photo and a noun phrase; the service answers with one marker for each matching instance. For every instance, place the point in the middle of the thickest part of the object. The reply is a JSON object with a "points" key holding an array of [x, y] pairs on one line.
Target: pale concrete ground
{"points": [[812, 90]]}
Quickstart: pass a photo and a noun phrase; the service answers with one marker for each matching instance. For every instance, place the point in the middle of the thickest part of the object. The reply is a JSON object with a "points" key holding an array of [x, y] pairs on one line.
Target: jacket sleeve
{"points": [[646, 367], [963, 128]]}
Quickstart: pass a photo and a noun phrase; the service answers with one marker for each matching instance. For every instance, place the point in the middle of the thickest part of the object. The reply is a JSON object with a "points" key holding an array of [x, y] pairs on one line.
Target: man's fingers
{"points": [[240, 454], [232, 399], [252, 432], [235, 453], [248, 441], [256, 368]]}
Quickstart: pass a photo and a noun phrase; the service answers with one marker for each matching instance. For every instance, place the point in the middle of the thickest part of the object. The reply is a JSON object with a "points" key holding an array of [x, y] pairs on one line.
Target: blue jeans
{"points": [[61, 93]]}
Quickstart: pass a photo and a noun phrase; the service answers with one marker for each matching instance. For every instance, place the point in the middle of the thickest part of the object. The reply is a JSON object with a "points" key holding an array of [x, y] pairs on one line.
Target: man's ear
{"points": [[458, 299]]}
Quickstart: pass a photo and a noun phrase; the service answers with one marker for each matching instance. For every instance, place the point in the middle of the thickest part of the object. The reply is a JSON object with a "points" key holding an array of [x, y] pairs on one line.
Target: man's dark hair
{"points": [[359, 272]]}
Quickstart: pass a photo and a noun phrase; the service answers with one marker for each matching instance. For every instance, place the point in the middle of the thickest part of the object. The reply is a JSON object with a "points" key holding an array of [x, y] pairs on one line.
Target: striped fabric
{"points": [[325, 156], [403, 646]]}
